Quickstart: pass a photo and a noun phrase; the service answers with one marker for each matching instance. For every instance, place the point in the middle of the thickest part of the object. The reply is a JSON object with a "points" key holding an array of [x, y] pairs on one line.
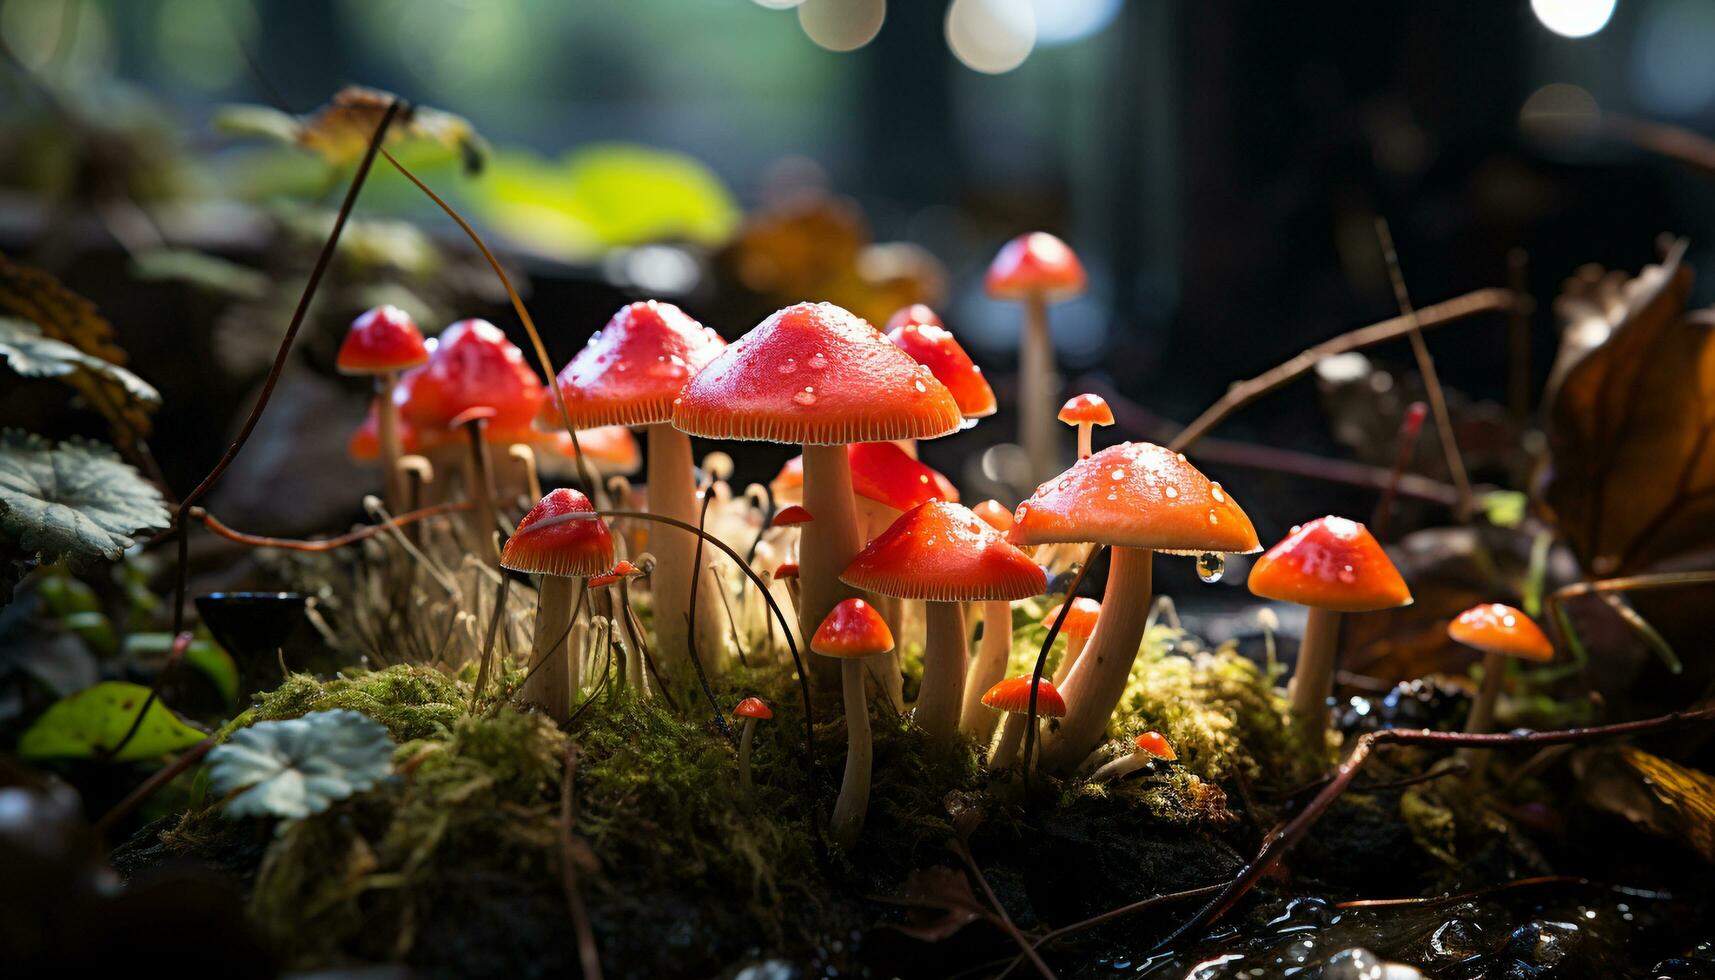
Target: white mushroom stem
{"points": [[1124, 765], [1482, 716], [416, 473], [944, 664], [887, 671], [1011, 739], [525, 457], [827, 544], [1084, 438], [744, 763], [1097, 681], [387, 429], [480, 486], [1074, 649], [988, 669], [673, 493], [853, 801], [1313, 678], [549, 685], [1036, 390]]}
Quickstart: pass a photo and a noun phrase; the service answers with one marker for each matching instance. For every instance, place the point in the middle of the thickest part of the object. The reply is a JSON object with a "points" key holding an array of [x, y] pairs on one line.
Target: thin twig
{"points": [[153, 784], [1042, 660], [1001, 916], [1435, 900], [181, 576], [588, 956], [323, 544], [1492, 300], [1278, 843], [1426, 367], [1131, 908]]}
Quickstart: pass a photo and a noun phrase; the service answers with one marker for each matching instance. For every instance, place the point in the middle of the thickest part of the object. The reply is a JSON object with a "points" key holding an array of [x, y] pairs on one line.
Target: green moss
{"points": [[413, 702]]}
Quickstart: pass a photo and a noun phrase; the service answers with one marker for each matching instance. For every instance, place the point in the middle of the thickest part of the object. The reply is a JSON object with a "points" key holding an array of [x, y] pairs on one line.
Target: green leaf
{"points": [[210, 273], [34, 355], [74, 500], [89, 722], [300, 766], [205, 655]]}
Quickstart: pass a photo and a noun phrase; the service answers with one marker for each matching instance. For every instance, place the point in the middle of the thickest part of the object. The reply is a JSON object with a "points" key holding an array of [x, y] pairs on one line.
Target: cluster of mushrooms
{"points": [[865, 543]]}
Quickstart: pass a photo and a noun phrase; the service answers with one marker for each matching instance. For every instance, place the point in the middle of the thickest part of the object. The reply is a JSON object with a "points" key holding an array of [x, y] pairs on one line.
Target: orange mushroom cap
{"points": [[753, 708], [915, 315], [790, 516], [1086, 409], [611, 448], [631, 370], [786, 570], [1135, 495], [620, 570], [471, 364], [1012, 695], [381, 340], [1156, 744], [1330, 563], [1496, 628], [935, 347], [996, 514], [1035, 264], [941, 552], [852, 629], [1080, 622], [815, 374], [570, 548]]}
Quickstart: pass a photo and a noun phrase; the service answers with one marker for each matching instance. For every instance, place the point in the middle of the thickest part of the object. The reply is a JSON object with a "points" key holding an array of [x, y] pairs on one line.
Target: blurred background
{"points": [[1219, 166]]}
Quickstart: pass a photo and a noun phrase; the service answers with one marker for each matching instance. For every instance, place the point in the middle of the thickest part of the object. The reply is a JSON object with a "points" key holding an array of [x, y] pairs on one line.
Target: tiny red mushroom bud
{"points": [[1500, 632], [852, 631], [786, 570], [382, 343], [1086, 411], [791, 516], [1147, 748], [751, 710]]}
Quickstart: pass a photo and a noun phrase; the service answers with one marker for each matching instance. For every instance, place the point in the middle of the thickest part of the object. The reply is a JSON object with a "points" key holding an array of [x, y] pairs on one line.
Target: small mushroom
{"points": [[1331, 565], [479, 477], [918, 331], [1036, 269], [1147, 749], [819, 376], [1011, 697], [629, 373], [852, 631], [559, 552], [943, 554], [1080, 624], [791, 516], [1086, 411], [381, 343], [752, 710], [1499, 631], [1139, 498]]}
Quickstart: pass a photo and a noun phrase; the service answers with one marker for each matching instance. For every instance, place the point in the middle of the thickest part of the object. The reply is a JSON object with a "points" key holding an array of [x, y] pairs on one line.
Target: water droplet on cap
{"points": [[1210, 567]]}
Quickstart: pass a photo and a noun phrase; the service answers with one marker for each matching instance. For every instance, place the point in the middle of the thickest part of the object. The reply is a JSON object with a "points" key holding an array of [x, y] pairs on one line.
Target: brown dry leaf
{"points": [[1660, 796], [342, 129], [1630, 415], [941, 903], [65, 316]]}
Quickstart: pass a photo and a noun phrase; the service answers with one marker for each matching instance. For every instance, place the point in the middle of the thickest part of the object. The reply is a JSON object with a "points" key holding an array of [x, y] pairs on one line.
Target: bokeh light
{"points": [[1065, 21], [778, 4], [1672, 71], [1573, 18], [842, 25], [991, 36]]}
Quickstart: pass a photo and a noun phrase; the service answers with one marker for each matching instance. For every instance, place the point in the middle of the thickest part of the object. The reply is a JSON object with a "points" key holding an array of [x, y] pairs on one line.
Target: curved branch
{"points": [[322, 544]]}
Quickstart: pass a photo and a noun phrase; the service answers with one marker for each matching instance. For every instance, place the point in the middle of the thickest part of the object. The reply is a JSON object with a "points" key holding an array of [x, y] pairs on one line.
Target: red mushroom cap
{"points": [[935, 347], [475, 413], [1080, 622], [815, 374], [1330, 563], [631, 370], [611, 448], [1086, 409], [753, 708], [381, 340], [881, 472], [1012, 695], [791, 516], [365, 442], [472, 364], [996, 514], [1156, 744], [786, 570], [853, 629], [1035, 264], [915, 315], [620, 570], [1135, 495], [571, 548], [942, 552], [1495, 628]]}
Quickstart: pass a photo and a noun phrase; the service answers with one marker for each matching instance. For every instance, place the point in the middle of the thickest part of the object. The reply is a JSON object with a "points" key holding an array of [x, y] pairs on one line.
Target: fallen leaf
{"points": [[1660, 796], [340, 131], [90, 722], [75, 500], [62, 315], [941, 903], [1630, 419]]}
